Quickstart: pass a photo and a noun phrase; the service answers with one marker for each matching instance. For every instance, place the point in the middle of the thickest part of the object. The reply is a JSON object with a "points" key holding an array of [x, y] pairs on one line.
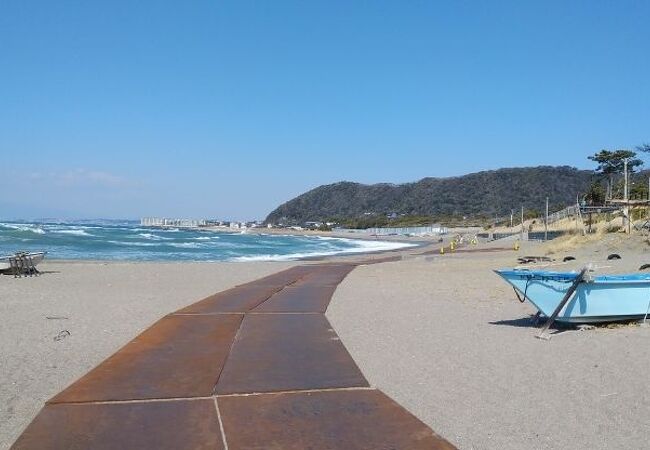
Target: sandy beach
{"points": [[102, 306], [324, 225], [442, 335], [448, 340]]}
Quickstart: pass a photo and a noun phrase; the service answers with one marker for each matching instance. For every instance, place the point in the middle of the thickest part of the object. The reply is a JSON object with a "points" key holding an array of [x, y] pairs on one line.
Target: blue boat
{"points": [[605, 298]]}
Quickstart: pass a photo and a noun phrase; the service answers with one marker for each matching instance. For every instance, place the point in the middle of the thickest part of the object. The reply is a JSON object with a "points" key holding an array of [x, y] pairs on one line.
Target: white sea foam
{"points": [[13, 226], [154, 237], [225, 246], [73, 232], [187, 245], [362, 246], [23, 227], [135, 244]]}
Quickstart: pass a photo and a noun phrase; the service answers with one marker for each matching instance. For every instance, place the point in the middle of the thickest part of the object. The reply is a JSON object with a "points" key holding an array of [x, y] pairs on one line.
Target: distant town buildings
{"points": [[431, 230], [165, 222]]}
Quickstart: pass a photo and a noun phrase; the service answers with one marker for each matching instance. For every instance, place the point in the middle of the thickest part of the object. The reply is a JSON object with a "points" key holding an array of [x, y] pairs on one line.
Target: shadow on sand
{"points": [[24, 275], [534, 322], [523, 322]]}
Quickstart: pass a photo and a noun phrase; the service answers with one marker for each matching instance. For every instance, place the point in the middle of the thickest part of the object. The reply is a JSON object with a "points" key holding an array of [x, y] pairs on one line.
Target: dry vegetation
{"points": [[607, 235], [570, 242]]}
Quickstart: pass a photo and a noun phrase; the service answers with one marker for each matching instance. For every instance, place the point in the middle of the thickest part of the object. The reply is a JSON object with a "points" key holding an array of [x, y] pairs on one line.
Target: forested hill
{"points": [[481, 194]]}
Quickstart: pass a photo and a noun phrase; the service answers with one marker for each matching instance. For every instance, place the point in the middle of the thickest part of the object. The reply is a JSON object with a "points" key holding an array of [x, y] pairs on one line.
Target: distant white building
{"points": [[166, 222], [431, 230]]}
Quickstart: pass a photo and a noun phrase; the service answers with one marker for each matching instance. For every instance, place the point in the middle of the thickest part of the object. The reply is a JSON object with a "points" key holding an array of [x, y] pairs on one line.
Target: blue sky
{"points": [[226, 109]]}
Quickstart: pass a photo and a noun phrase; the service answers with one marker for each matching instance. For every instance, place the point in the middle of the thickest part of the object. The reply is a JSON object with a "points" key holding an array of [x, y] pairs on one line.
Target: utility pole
{"points": [[625, 179], [522, 223], [626, 209], [512, 211], [577, 210], [546, 222]]}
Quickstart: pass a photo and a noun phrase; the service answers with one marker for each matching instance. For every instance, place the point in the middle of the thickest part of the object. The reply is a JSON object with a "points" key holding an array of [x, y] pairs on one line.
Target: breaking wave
{"points": [[73, 232], [23, 227], [132, 242], [154, 237], [361, 247]]}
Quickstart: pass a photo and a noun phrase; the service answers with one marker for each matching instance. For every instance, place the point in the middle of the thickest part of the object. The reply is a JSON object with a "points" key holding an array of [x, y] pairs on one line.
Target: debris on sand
{"points": [[62, 335]]}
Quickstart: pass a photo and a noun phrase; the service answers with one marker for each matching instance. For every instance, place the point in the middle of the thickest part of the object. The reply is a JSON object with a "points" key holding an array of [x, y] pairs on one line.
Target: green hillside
{"points": [[476, 195]]}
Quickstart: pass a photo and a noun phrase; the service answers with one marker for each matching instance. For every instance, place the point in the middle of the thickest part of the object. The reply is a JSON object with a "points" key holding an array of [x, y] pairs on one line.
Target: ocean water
{"points": [[128, 241]]}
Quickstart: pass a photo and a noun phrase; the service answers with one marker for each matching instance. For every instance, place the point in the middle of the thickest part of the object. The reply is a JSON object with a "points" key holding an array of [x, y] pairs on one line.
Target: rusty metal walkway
{"points": [[254, 367]]}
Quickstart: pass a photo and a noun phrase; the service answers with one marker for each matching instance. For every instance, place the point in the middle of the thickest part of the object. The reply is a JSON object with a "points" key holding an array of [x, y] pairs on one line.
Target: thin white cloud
{"points": [[78, 178], [84, 177]]}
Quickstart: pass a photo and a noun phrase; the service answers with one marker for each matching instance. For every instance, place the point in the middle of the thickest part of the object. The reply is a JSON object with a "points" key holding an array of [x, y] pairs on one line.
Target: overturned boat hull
{"points": [[606, 298]]}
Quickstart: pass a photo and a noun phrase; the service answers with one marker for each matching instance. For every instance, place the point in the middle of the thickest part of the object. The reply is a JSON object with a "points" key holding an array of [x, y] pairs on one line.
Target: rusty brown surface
{"points": [[238, 299], [277, 352], [299, 298], [352, 419], [285, 277], [179, 356], [323, 273], [186, 424], [215, 341], [326, 275]]}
